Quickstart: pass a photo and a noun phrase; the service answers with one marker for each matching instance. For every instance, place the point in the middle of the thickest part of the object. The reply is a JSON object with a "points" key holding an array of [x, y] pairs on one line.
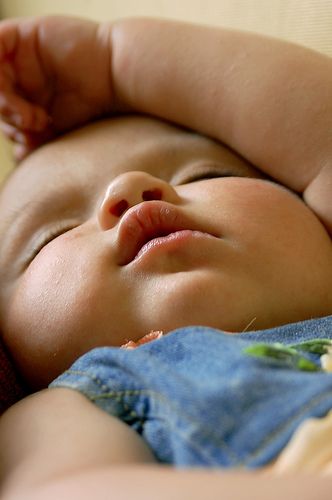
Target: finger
{"points": [[20, 152], [8, 38], [24, 143], [32, 141], [22, 114], [29, 139], [13, 133]]}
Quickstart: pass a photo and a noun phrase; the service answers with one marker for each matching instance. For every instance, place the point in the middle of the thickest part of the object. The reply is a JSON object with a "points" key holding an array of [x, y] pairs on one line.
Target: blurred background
{"points": [[308, 22]]}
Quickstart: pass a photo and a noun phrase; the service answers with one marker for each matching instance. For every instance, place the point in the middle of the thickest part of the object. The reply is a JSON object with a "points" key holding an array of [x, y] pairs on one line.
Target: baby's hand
{"points": [[54, 75]]}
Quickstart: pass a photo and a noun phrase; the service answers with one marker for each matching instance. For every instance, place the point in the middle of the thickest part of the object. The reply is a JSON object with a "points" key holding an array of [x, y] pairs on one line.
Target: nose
{"points": [[130, 189]]}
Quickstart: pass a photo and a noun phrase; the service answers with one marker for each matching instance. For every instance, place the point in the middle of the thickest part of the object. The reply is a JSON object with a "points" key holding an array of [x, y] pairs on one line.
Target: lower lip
{"points": [[171, 241]]}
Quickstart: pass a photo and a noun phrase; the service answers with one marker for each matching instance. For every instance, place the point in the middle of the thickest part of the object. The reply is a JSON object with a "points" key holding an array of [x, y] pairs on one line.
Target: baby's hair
{"points": [[11, 387]]}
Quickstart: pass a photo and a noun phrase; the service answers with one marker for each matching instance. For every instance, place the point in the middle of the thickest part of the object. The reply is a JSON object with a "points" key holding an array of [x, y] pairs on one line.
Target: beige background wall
{"points": [[307, 21], [304, 21]]}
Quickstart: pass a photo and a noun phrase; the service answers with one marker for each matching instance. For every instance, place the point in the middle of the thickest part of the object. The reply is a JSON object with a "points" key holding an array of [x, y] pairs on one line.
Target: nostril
{"points": [[119, 208], [152, 194]]}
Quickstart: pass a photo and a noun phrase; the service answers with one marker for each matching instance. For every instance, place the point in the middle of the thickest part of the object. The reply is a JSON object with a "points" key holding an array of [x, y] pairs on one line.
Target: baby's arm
{"points": [[56, 444], [270, 101], [58, 432]]}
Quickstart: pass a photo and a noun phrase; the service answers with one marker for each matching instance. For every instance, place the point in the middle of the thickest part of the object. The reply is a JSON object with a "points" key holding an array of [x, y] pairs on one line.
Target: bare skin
{"points": [[44, 65], [127, 70], [66, 247]]}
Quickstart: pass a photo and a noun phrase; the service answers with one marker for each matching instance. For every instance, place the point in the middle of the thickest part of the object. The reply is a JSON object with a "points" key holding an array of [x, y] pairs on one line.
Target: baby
{"points": [[210, 206]]}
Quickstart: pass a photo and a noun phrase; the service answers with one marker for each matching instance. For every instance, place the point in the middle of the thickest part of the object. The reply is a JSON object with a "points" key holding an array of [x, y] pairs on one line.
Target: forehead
{"points": [[97, 153], [104, 147]]}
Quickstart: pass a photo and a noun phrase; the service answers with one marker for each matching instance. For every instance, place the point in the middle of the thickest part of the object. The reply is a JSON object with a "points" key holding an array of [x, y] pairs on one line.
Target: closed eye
{"points": [[46, 238], [205, 170], [206, 176], [201, 172]]}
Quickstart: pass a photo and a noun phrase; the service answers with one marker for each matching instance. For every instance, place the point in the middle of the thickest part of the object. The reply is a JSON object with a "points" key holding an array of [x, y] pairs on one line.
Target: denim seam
{"points": [[115, 394], [283, 427], [155, 395], [119, 395]]}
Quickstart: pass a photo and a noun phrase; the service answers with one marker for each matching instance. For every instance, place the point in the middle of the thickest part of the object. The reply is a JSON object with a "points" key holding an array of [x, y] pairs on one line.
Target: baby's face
{"points": [[86, 262]]}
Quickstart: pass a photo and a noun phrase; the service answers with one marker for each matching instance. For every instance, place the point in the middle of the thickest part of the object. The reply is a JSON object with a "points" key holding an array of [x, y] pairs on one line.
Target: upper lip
{"points": [[146, 221]]}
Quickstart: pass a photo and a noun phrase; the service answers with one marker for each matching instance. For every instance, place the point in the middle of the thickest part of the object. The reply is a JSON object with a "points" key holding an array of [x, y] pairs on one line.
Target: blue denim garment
{"points": [[198, 399]]}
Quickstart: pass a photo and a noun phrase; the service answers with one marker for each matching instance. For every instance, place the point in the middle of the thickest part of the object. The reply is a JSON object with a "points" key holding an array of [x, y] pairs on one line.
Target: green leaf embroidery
{"points": [[284, 353], [316, 346]]}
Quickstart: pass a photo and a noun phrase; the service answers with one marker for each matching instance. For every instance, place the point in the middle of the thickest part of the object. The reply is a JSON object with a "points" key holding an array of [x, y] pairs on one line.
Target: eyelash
{"points": [[209, 175], [58, 231], [206, 176], [46, 238]]}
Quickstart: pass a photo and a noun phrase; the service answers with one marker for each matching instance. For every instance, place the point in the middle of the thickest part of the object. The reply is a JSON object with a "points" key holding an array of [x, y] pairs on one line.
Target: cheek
{"points": [[293, 229], [262, 214], [285, 248], [279, 247], [50, 316]]}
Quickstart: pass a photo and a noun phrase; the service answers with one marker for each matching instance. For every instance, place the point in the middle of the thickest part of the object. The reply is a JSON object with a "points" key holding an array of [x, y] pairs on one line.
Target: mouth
{"points": [[148, 222]]}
